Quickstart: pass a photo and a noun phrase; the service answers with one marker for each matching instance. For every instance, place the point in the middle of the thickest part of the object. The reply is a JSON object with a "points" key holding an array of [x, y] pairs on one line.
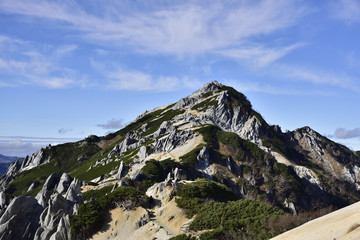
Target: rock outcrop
{"points": [[73, 193], [34, 160], [64, 183], [173, 140], [44, 195], [57, 213], [21, 219]]}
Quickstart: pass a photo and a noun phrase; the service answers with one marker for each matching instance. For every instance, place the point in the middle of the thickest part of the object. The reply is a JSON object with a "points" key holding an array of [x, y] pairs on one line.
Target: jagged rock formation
{"points": [[34, 160], [173, 140], [54, 219], [21, 219], [213, 133], [64, 183]]}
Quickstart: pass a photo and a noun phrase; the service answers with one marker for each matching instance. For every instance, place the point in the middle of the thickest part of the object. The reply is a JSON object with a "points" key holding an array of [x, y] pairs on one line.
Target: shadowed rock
{"points": [[21, 219]]}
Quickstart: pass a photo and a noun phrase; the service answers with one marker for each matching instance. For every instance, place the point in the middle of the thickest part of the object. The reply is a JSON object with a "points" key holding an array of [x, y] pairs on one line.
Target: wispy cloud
{"points": [[261, 87], [64, 130], [180, 29], [112, 124], [347, 10], [136, 80], [18, 148], [317, 76], [25, 63], [259, 56], [129, 79], [21, 145], [342, 133]]}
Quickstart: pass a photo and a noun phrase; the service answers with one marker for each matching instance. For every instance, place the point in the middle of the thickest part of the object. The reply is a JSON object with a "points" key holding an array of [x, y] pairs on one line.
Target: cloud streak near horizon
{"points": [[21, 146]]}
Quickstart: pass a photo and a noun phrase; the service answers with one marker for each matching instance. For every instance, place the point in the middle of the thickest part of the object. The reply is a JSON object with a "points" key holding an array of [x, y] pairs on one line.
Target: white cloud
{"points": [[54, 82], [342, 133], [259, 56], [24, 63], [317, 77], [21, 146], [261, 87], [112, 124], [180, 29], [120, 79], [347, 10], [18, 148]]}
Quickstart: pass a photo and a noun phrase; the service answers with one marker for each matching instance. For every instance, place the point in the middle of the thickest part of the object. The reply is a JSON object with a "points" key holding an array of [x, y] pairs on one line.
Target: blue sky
{"points": [[69, 69]]}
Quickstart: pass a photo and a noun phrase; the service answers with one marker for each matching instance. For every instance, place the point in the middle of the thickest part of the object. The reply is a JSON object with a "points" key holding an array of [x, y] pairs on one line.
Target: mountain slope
{"points": [[157, 161]]}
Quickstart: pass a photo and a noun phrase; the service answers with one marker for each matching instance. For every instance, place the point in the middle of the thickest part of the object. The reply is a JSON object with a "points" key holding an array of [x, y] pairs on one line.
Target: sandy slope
{"points": [[337, 225]]}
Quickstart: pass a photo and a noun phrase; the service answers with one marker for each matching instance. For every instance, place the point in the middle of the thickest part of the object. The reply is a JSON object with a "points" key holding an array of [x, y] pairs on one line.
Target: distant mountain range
{"points": [[7, 159]]}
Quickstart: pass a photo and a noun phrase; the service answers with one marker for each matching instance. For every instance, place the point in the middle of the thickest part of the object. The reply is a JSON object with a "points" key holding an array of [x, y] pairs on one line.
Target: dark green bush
{"points": [[158, 170], [245, 218], [206, 189], [88, 220], [205, 104], [217, 234], [193, 195], [189, 159], [97, 193], [183, 237]]}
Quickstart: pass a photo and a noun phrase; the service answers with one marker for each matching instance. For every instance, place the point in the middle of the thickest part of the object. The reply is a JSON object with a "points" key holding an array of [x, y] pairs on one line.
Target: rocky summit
{"points": [[205, 167]]}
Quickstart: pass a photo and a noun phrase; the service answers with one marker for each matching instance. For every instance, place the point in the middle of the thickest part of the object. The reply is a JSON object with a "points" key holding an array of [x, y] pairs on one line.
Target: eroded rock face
{"points": [[175, 139], [132, 140], [142, 152], [33, 186], [64, 183], [34, 160], [57, 213], [44, 195], [8, 176], [21, 219], [3, 202], [73, 193], [196, 96], [165, 127], [203, 163], [121, 171]]}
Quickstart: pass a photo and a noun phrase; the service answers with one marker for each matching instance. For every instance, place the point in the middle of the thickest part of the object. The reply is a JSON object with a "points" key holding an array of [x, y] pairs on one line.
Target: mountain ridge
{"points": [[214, 134]]}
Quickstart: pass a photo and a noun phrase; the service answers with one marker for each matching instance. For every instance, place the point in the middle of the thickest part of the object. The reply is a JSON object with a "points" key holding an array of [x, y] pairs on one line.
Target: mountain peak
{"points": [[211, 86]]}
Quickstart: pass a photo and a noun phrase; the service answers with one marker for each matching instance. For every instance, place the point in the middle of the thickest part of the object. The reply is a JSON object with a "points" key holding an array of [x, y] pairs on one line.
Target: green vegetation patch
{"points": [[158, 170], [289, 173], [193, 195], [243, 218], [86, 175], [205, 104], [183, 237], [98, 193], [238, 100], [156, 120], [64, 158], [189, 159], [91, 216], [212, 135]]}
